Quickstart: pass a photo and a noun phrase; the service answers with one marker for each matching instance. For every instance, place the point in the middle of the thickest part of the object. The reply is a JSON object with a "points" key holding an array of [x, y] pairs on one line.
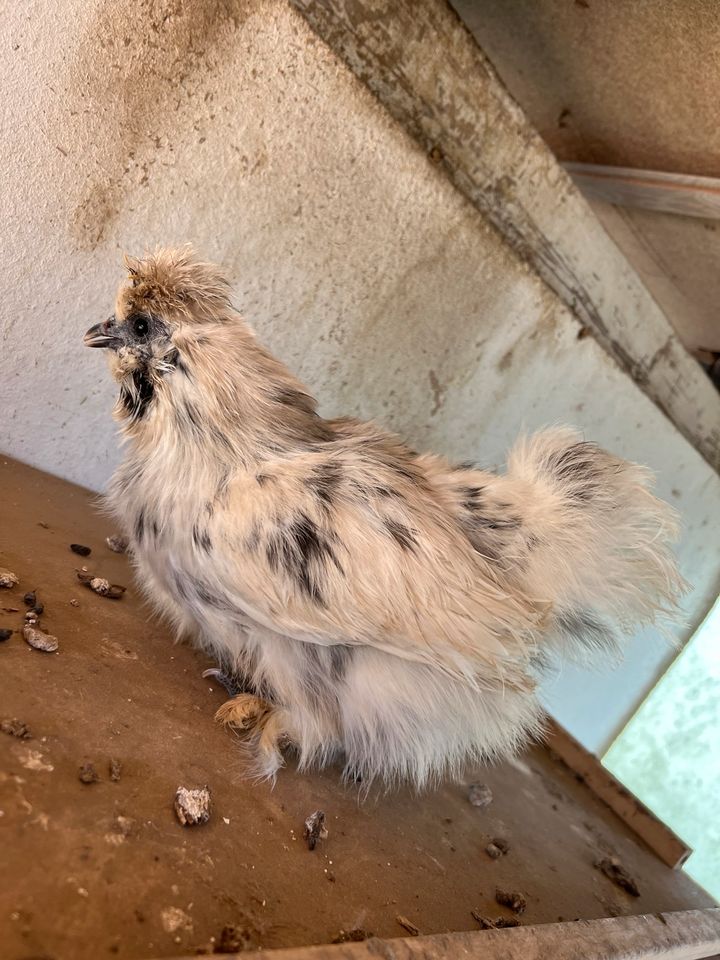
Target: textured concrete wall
{"points": [[229, 124]]}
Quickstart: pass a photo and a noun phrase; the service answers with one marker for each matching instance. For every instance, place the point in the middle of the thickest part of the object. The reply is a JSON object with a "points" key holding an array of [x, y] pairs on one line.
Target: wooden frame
{"points": [[664, 192], [686, 935], [424, 66], [659, 837]]}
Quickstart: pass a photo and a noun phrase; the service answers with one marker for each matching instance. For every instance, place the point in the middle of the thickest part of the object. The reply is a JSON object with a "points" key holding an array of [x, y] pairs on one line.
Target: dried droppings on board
{"points": [[480, 795], [497, 848], [498, 923], [408, 925], [356, 935], [7, 579], [15, 728], [115, 770], [39, 640], [30, 598], [80, 549], [615, 871], [88, 774], [74, 602], [45, 526], [234, 939], [192, 806], [101, 586], [515, 901], [5, 634], [315, 829], [117, 544]]}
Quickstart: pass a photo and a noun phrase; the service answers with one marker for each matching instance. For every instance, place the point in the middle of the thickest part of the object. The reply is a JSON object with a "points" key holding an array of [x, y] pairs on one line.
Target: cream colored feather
{"points": [[375, 606]]}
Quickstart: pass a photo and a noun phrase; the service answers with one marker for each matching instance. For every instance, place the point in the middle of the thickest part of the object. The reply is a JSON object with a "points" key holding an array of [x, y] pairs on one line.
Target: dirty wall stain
{"points": [[142, 80]]}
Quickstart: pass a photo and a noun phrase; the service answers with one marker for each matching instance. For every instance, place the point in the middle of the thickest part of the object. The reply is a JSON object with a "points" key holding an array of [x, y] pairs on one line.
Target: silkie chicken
{"points": [[375, 606]]}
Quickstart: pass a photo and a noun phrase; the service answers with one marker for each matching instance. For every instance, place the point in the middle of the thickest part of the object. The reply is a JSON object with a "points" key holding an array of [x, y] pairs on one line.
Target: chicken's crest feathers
{"points": [[174, 282]]}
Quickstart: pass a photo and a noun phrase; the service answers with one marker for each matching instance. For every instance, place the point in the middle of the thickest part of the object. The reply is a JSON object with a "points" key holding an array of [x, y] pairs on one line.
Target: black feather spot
{"points": [[576, 466], [340, 656], [324, 482], [137, 401], [471, 497], [140, 525], [291, 397], [586, 628], [301, 550], [401, 534], [388, 492], [201, 538]]}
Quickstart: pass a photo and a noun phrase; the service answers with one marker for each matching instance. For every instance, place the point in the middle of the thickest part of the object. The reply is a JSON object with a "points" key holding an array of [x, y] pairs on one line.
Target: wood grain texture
{"points": [[664, 192], [688, 935]]}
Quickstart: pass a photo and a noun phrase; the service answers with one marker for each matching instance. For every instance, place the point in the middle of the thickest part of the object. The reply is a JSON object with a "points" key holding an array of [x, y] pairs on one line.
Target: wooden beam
{"points": [[657, 835], [664, 192], [424, 66], [686, 935]]}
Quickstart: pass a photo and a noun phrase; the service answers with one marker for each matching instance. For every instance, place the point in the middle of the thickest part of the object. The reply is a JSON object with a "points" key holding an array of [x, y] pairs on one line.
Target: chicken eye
{"points": [[140, 326]]}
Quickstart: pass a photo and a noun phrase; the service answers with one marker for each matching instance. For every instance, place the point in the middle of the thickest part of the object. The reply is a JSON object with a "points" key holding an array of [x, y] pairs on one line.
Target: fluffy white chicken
{"points": [[376, 606]]}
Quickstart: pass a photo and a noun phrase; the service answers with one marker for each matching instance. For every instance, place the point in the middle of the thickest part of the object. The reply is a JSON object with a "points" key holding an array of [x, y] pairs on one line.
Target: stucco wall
{"points": [[229, 124]]}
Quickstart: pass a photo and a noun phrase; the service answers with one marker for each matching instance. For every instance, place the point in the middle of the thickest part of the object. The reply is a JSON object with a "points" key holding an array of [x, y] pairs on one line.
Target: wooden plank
{"points": [[664, 192], [687, 935], [424, 66], [657, 835]]}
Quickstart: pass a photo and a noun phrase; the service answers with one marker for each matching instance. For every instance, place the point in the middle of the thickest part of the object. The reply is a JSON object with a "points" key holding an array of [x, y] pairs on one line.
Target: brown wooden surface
{"points": [[688, 935], [78, 883], [657, 835]]}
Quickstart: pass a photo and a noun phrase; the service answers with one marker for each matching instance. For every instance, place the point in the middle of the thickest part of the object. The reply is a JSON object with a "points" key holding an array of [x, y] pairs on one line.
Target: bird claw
{"points": [[232, 684], [242, 712]]}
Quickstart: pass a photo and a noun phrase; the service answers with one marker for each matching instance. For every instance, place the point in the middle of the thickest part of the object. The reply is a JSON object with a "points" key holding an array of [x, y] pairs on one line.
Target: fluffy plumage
{"points": [[375, 605]]}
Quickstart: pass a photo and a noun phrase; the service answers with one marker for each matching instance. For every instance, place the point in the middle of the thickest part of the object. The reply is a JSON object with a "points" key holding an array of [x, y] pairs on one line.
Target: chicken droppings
{"points": [[515, 901], [115, 770], [356, 935], [174, 919], [408, 925], [101, 586], [480, 795], [80, 549], [615, 871], [497, 848], [16, 728], [7, 579], [192, 806], [315, 829], [88, 774], [117, 544], [233, 939], [39, 640], [487, 924]]}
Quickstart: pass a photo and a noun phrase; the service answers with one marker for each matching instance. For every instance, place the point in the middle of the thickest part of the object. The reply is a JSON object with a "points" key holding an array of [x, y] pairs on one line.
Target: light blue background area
{"points": [[669, 753]]}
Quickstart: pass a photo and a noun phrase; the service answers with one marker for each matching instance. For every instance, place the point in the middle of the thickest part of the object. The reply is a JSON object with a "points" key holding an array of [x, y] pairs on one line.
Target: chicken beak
{"points": [[100, 335]]}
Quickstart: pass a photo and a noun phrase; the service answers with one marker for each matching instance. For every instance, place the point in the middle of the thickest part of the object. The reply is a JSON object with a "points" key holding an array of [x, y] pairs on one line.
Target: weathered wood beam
{"points": [[686, 935], [420, 61], [657, 835], [675, 193]]}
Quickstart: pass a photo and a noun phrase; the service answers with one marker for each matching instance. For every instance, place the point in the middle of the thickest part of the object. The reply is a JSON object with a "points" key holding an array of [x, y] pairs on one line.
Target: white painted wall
{"points": [[228, 124]]}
